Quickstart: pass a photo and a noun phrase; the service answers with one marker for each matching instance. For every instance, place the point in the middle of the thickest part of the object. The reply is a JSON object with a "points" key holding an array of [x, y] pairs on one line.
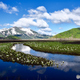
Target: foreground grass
{"points": [[7, 54], [55, 47]]}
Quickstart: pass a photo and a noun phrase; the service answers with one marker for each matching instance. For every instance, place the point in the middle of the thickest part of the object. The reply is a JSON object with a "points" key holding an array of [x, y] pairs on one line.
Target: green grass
{"points": [[73, 33], [12, 37], [7, 54], [55, 47]]}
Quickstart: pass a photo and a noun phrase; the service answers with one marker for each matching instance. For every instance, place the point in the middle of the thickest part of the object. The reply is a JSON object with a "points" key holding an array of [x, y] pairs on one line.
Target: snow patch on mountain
{"points": [[8, 33], [27, 30], [3, 33], [14, 31]]}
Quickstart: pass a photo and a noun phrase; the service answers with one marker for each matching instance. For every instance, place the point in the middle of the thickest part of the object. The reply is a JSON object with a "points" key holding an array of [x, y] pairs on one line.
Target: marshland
{"points": [[40, 60]]}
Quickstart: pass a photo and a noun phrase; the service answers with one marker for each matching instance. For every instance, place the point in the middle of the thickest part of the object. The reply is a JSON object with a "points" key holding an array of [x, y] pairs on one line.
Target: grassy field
{"points": [[7, 54], [55, 47]]}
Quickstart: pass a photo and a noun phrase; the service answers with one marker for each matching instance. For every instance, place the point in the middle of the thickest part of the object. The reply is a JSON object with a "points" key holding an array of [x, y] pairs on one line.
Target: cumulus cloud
{"points": [[41, 8], [60, 16], [76, 11], [7, 8], [39, 17], [26, 22]]}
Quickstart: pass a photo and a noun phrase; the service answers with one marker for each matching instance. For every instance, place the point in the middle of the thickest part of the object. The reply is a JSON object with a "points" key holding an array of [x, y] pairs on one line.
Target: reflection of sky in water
{"points": [[15, 71], [21, 48], [71, 62], [58, 57]]}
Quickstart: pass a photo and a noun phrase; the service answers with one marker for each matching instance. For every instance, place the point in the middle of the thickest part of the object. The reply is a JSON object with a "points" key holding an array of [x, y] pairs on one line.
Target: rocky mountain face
{"points": [[23, 33]]}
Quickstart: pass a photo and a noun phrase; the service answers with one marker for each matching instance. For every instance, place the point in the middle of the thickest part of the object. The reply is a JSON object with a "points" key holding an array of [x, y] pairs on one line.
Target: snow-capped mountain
{"points": [[23, 33]]}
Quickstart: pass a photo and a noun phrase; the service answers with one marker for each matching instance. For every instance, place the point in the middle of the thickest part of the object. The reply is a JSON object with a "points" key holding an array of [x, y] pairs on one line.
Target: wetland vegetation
{"points": [[68, 47], [35, 65], [7, 54]]}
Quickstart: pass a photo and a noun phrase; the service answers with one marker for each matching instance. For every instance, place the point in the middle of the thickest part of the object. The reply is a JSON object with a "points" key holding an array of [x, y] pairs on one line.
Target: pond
{"points": [[15, 71]]}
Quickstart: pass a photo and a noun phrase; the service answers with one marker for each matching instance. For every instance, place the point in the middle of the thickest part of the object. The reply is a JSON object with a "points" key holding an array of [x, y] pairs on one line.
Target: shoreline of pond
{"points": [[7, 54]]}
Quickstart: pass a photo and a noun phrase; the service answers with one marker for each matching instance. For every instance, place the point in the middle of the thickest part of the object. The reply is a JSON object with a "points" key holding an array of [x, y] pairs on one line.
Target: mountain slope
{"points": [[23, 33], [12, 37], [73, 33]]}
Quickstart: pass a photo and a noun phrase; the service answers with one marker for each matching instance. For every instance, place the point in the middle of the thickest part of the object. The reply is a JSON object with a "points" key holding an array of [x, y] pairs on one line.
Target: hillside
{"points": [[22, 33], [12, 37], [72, 33]]}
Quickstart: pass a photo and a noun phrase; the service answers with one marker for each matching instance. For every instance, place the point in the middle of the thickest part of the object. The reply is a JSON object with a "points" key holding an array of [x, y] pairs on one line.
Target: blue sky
{"points": [[44, 16]]}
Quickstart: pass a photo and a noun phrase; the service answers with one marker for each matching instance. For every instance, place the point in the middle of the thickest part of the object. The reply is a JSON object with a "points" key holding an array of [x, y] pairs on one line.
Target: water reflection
{"points": [[21, 48], [70, 62]]}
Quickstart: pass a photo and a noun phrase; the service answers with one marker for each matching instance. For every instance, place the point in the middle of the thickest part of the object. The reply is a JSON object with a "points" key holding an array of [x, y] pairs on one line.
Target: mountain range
{"points": [[21, 33]]}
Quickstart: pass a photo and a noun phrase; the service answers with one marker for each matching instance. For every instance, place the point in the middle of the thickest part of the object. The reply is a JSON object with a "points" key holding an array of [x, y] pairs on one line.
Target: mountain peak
{"points": [[23, 33]]}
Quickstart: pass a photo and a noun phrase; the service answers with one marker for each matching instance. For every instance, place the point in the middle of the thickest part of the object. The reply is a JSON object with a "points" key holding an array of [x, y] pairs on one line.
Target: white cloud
{"points": [[76, 11], [59, 16], [3, 6], [32, 11], [44, 32], [41, 8], [7, 24], [39, 17], [77, 22], [8, 9], [46, 29], [26, 22], [14, 9]]}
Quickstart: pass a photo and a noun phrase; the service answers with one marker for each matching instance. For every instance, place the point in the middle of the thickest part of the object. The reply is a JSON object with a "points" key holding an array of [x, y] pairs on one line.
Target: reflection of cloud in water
{"points": [[41, 54], [34, 68], [77, 58], [9, 66], [69, 65], [28, 50], [22, 48], [41, 71], [14, 70], [70, 62], [38, 69], [65, 67], [2, 73]]}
